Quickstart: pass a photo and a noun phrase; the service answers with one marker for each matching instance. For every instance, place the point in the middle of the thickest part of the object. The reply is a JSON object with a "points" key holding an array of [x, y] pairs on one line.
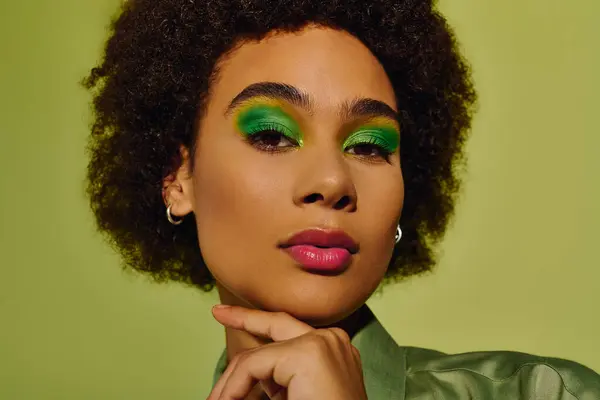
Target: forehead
{"points": [[330, 65]]}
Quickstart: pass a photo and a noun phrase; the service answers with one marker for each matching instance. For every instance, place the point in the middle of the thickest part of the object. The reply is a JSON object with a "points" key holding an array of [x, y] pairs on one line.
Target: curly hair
{"points": [[152, 85]]}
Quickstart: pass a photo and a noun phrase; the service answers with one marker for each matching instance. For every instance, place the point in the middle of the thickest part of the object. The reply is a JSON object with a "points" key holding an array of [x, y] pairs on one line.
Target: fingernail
{"points": [[221, 307]]}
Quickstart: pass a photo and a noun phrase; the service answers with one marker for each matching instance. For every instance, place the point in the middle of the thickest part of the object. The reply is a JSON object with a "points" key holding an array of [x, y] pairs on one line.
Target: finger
{"points": [[356, 355], [257, 366], [272, 389], [218, 388], [274, 325]]}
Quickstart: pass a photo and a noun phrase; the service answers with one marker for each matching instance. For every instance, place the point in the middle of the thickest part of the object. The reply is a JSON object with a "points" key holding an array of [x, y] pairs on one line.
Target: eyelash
{"points": [[253, 137], [384, 153]]}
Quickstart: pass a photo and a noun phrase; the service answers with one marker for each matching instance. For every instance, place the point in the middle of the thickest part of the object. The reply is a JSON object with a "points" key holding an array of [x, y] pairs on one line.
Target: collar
{"points": [[383, 362]]}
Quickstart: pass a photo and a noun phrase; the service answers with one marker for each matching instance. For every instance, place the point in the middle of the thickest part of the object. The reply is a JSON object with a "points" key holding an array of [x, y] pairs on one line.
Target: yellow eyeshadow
{"points": [[262, 101], [382, 121]]}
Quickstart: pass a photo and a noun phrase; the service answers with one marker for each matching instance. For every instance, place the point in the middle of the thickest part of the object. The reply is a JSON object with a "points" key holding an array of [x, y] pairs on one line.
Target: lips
{"points": [[321, 250]]}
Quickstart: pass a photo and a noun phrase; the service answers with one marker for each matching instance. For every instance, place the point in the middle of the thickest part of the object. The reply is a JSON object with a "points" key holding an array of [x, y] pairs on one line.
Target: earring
{"points": [[398, 234], [170, 217]]}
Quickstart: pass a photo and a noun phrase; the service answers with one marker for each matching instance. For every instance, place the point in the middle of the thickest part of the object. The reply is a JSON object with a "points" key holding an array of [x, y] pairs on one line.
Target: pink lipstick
{"points": [[321, 250]]}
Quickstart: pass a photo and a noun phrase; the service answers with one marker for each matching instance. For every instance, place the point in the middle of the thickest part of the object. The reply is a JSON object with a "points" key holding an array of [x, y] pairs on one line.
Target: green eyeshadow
{"points": [[255, 118], [387, 137]]}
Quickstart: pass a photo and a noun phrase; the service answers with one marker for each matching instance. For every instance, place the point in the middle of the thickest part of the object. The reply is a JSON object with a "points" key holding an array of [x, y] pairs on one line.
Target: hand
{"points": [[302, 363]]}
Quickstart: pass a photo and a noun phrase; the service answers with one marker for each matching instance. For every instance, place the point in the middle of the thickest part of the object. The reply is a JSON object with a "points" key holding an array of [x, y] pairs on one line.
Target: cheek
{"points": [[236, 200], [381, 199], [227, 185]]}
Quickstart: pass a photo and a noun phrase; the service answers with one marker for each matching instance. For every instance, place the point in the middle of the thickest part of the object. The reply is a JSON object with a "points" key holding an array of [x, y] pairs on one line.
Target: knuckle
{"points": [[317, 344], [236, 359], [241, 357], [340, 334]]}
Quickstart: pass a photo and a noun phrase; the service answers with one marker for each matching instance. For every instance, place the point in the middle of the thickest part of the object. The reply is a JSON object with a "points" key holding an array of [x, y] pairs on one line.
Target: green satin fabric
{"points": [[407, 373]]}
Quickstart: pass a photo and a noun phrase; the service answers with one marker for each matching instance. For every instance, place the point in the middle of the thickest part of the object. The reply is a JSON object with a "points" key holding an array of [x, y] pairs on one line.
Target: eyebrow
{"points": [[364, 107], [273, 90], [358, 107]]}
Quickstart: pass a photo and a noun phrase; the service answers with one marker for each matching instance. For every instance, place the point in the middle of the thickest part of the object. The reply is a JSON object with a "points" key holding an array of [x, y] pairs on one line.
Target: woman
{"points": [[296, 155]]}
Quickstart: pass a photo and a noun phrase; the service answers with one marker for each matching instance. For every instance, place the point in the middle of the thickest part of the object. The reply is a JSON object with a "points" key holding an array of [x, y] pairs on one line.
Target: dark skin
{"points": [[298, 345]]}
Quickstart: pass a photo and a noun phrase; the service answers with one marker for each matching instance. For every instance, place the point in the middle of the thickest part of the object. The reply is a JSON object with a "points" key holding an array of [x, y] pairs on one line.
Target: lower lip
{"points": [[314, 258]]}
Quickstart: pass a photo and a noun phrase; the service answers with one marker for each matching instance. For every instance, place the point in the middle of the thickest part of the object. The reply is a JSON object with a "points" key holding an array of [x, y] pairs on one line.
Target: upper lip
{"points": [[322, 238]]}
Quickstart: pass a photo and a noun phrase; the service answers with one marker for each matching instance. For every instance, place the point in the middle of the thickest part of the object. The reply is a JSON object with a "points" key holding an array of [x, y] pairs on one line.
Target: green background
{"points": [[520, 268]]}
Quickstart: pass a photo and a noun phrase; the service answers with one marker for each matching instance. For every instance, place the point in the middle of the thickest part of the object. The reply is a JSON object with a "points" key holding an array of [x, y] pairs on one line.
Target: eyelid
{"points": [[258, 117], [378, 127], [374, 131], [272, 108], [364, 137], [270, 125], [374, 135]]}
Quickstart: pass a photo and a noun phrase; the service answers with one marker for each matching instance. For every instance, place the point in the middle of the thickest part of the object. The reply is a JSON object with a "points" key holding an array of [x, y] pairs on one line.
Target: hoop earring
{"points": [[170, 217], [398, 234]]}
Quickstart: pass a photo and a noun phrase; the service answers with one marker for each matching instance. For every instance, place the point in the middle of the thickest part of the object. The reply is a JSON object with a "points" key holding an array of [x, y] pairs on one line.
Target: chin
{"points": [[316, 308], [321, 318], [315, 299]]}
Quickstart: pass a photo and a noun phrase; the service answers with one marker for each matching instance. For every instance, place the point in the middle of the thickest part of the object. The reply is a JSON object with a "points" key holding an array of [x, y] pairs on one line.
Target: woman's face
{"points": [[299, 134]]}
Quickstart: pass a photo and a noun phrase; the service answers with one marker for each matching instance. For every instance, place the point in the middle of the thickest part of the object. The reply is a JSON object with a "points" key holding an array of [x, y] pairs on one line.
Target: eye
{"points": [[372, 144], [271, 140], [369, 150]]}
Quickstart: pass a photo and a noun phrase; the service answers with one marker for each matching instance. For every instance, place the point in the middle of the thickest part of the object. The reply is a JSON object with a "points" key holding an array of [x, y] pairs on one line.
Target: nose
{"points": [[326, 181]]}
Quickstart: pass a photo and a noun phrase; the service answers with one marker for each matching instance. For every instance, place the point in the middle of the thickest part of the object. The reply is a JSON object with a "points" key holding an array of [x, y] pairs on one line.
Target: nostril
{"points": [[342, 203], [313, 198]]}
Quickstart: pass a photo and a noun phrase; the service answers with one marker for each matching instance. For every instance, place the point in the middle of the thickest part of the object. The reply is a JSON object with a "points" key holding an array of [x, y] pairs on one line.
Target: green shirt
{"points": [[407, 373]]}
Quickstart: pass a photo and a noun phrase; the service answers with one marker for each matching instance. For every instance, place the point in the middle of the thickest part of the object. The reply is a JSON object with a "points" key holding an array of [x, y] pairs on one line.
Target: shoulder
{"points": [[497, 375]]}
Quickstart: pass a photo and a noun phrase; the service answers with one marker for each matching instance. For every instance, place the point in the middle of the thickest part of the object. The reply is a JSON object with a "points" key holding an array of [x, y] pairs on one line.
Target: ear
{"points": [[178, 188]]}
